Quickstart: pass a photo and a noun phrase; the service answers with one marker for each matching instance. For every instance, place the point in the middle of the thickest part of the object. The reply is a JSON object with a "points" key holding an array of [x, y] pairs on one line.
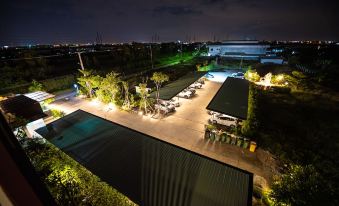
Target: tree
{"points": [[159, 78], [35, 86], [300, 185], [129, 99], [110, 87], [252, 75], [144, 101], [89, 81]]}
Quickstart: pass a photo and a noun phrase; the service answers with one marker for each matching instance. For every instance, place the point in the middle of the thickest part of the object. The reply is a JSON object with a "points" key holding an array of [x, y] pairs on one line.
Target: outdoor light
{"points": [[95, 102], [280, 77], [111, 106]]}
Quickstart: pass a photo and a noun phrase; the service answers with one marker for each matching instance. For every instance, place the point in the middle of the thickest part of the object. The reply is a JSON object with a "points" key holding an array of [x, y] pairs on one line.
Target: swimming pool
{"points": [[145, 169]]}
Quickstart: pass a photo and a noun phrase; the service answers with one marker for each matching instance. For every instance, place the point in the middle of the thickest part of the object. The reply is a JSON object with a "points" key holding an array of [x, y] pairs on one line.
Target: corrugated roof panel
{"points": [[172, 89], [147, 170]]}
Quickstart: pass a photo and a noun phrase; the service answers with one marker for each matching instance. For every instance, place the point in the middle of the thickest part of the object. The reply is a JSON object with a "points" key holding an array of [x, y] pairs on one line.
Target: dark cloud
{"points": [[69, 21], [176, 10], [209, 2]]}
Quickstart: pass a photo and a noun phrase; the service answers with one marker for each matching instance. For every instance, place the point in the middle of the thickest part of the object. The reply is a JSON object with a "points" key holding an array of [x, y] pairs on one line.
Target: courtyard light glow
{"points": [[111, 107], [280, 77], [95, 102]]}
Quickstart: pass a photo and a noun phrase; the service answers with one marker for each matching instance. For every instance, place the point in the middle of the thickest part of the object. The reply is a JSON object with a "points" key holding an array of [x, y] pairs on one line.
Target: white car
{"points": [[223, 120], [165, 107], [174, 102], [240, 75], [171, 102], [201, 81], [186, 94], [196, 85], [212, 112], [190, 89]]}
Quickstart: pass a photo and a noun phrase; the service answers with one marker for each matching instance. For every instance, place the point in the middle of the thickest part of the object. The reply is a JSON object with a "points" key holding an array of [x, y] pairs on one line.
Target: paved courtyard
{"points": [[184, 128]]}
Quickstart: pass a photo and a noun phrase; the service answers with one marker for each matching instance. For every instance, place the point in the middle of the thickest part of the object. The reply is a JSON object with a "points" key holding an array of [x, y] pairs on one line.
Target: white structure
{"points": [[32, 126], [238, 49], [271, 60], [39, 96]]}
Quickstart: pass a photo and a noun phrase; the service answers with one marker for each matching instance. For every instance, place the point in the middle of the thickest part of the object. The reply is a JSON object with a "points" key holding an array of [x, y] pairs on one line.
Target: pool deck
{"points": [[184, 128]]}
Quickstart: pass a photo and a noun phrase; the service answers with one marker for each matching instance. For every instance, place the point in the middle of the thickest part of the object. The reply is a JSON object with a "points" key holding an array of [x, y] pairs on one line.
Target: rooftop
{"points": [[232, 98], [172, 89], [145, 169], [22, 106], [39, 95]]}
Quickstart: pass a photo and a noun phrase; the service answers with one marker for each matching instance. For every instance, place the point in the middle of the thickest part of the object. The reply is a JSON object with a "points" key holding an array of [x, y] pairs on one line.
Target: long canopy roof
{"points": [[145, 169], [39, 95], [172, 89], [232, 98]]}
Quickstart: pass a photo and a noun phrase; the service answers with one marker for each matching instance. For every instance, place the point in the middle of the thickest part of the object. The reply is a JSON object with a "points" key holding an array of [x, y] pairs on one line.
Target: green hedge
{"points": [[68, 181]]}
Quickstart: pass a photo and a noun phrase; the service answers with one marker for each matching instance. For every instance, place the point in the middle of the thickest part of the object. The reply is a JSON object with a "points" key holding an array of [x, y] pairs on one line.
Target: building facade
{"points": [[238, 49]]}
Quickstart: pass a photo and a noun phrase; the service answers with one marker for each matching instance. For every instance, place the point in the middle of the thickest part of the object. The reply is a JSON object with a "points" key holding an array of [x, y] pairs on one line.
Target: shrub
{"points": [[300, 185], [36, 86], [57, 113]]}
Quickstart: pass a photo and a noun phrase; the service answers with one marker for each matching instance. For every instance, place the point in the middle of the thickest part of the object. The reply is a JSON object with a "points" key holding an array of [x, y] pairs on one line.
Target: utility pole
{"points": [[151, 53], [81, 64], [241, 62]]}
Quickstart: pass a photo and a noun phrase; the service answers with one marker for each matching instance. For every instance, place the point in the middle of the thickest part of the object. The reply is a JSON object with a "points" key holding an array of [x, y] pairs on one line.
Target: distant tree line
{"points": [[22, 66]]}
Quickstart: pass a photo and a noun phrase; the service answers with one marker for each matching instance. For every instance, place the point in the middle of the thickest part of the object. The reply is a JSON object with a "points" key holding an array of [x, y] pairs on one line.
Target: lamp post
{"points": [[76, 87]]}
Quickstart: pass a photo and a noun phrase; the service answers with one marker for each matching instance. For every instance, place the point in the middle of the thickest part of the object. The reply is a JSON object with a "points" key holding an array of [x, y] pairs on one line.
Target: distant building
{"points": [[245, 49], [271, 60]]}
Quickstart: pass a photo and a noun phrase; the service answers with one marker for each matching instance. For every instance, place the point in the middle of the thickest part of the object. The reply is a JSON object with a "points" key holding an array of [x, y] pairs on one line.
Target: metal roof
{"points": [[172, 89], [22, 106], [232, 98], [145, 169], [39, 96]]}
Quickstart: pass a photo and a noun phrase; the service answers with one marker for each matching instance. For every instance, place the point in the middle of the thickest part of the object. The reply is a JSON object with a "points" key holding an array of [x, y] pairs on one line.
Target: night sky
{"points": [[77, 21]]}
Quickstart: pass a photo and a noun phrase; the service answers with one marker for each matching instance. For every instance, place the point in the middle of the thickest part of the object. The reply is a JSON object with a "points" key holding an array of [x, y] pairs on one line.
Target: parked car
{"points": [[175, 102], [186, 94], [240, 75], [212, 112], [196, 85], [190, 89], [201, 81], [223, 120], [172, 102], [164, 107]]}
